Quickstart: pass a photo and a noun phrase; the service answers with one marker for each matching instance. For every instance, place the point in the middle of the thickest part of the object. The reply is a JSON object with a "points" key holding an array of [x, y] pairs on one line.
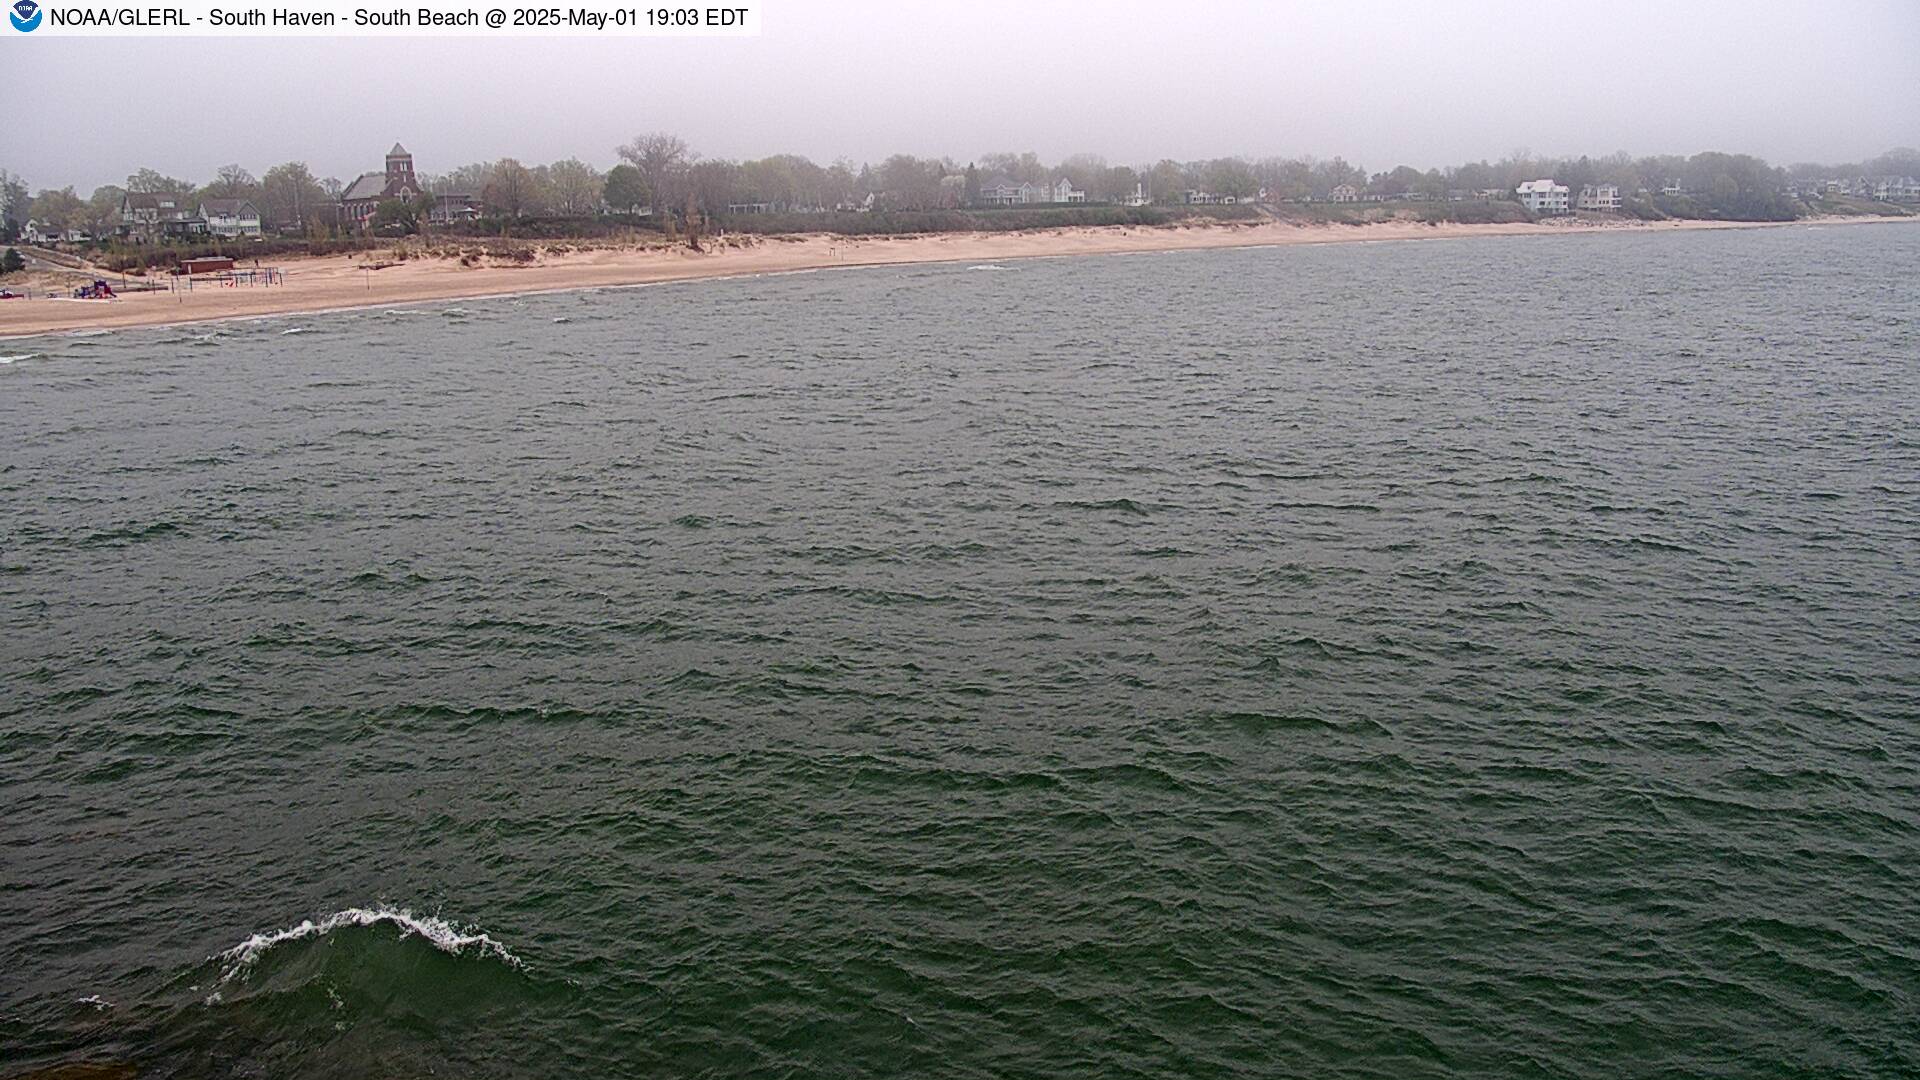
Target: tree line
{"points": [[662, 173]]}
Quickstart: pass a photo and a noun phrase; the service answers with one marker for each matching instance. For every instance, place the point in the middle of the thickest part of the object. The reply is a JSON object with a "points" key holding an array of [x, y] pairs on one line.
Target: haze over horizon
{"points": [[862, 80]]}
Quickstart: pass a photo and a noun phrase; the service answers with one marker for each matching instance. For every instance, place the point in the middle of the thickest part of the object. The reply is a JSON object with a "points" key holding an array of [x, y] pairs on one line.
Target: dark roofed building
{"points": [[364, 196], [150, 215]]}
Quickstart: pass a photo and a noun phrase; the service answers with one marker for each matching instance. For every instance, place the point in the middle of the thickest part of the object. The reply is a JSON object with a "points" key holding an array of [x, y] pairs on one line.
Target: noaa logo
{"points": [[25, 15]]}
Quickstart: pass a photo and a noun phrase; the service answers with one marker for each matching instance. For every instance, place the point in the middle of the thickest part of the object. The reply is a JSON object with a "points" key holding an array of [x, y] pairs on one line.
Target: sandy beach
{"points": [[337, 282]]}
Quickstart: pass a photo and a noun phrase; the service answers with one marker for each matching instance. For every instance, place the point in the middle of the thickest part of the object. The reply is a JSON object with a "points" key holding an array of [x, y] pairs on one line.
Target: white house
{"points": [[1346, 193], [1543, 196], [230, 217], [46, 232], [1896, 189], [1600, 197], [1001, 191], [1139, 196]]}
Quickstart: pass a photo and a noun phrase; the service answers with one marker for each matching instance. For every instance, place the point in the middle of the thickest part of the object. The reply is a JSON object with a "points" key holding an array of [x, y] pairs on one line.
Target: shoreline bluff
{"points": [[316, 285]]}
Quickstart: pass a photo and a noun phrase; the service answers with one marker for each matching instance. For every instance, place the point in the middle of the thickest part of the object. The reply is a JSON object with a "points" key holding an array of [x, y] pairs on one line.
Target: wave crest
{"points": [[438, 932]]}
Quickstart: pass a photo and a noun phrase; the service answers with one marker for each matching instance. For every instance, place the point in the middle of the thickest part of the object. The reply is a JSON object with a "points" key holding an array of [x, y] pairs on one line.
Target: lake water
{"points": [[1482, 658]]}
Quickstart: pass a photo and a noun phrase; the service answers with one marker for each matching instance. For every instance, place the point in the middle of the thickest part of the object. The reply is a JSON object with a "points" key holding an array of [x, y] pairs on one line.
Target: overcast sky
{"points": [[1425, 84]]}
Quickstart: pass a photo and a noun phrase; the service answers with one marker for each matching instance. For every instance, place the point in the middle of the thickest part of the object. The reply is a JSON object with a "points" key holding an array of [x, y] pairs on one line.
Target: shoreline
{"points": [[319, 285]]}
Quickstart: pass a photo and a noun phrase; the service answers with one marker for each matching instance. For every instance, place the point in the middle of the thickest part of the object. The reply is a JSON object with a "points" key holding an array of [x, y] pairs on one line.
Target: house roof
{"points": [[398, 151], [226, 207], [181, 208], [369, 186]]}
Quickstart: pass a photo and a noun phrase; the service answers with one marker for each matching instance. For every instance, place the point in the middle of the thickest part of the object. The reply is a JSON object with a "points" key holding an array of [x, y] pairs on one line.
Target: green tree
{"points": [[103, 210], [1167, 183], [1232, 176], [397, 217], [292, 199], [13, 204], [625, 189], [12, 262], [60, 209]]}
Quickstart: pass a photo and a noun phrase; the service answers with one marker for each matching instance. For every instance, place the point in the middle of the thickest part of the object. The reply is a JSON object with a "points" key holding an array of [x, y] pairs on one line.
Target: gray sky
{"points": [[1377, 82]]}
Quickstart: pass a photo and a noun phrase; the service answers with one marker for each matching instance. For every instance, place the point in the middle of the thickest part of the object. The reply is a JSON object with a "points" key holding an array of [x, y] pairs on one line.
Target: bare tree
{"points": [[662, 160], [512, 191], [147, 180], [232, 182], [576, 187]]}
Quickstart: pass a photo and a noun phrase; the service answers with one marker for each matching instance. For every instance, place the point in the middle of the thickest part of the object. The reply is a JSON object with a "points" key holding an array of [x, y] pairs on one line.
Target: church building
{"points": [[364, 196]]}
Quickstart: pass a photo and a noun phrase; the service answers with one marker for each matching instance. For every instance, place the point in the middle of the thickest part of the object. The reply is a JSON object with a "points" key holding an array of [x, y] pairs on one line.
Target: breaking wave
{"points": [[438, 932]]}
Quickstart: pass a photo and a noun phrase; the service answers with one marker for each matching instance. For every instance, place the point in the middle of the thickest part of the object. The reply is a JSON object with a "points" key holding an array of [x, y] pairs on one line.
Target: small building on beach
{"points": [[206, 264]]}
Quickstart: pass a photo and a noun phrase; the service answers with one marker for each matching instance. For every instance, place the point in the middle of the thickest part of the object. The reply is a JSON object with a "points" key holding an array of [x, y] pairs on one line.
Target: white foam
{"points": [[440, 933], [18, 356], [986, 266], [96, 1001], [295, 330]]}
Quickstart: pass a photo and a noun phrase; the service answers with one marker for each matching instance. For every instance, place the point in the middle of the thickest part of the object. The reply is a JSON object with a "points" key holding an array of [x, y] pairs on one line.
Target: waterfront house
{"points": [[1346, 193], [154, 215], [1003, 191], [364, 196], [46, 232], [1895, 189], [230, 217], [1600, 197], [1543, 196]]}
